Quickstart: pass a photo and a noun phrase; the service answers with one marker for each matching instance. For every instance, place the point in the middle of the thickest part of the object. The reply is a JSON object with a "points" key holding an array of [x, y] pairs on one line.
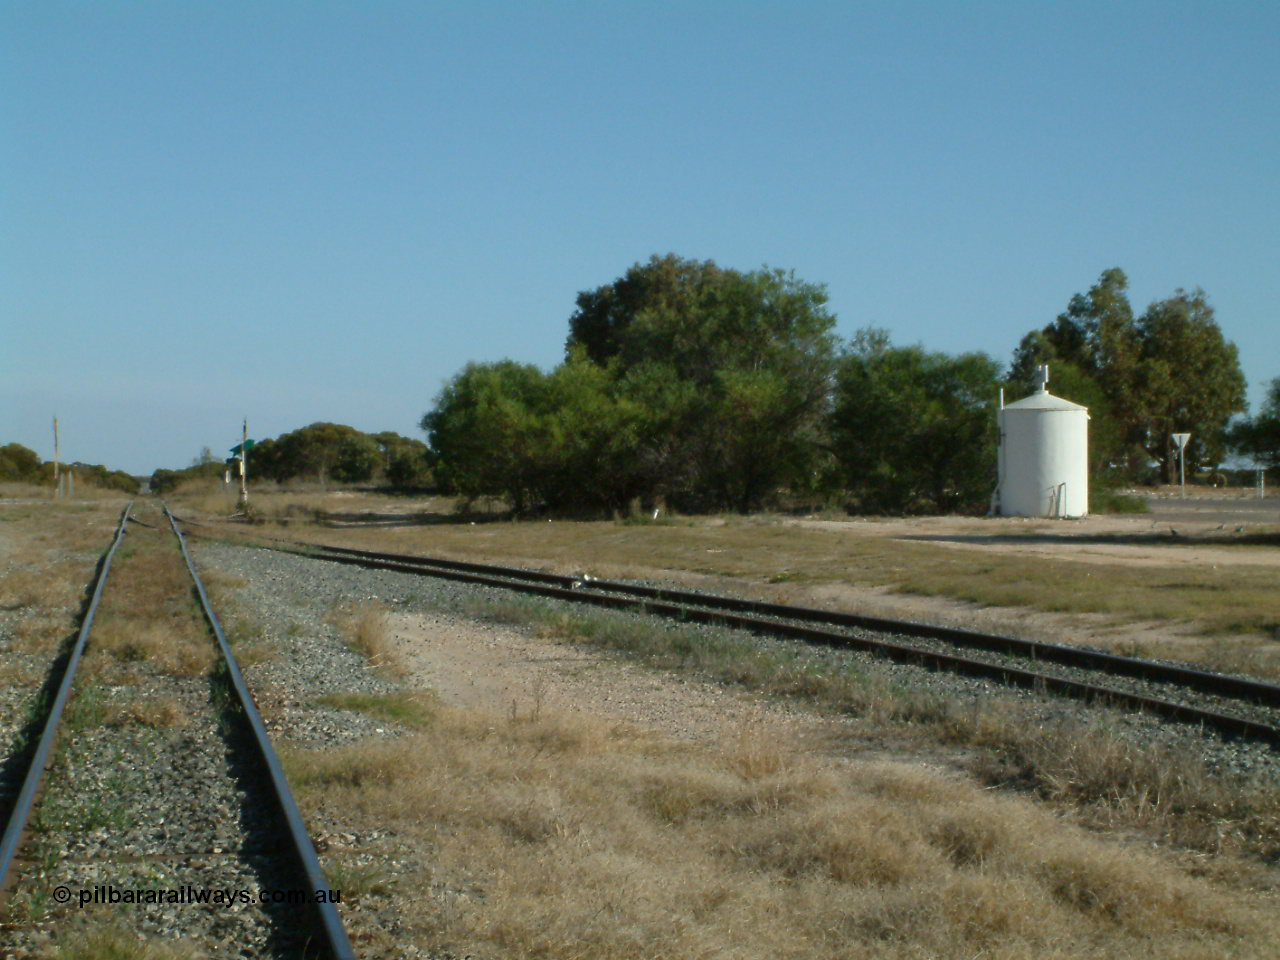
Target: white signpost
{"points": [[1181, 440]]}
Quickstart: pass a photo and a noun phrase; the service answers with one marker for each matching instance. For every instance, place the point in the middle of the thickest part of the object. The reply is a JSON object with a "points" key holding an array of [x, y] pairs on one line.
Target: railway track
{"points": [[1231, 706], [235, 825]]}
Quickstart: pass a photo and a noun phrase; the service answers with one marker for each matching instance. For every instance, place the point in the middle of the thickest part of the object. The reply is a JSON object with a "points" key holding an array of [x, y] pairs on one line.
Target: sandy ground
{"points": [[499, 670], [504, 672], [1201, 528]]}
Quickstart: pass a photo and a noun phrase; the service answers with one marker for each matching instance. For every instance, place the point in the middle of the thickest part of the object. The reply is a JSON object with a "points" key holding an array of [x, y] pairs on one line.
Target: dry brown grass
{"points": [[1162, 787], [244, 630], [84, 492], [366, 628], [16, 675], [129, 640], [148, 618], [212, 498], [221, 587], [25, 491], [205, 497], [43, 587], [42, 533], [577, 840], [1243, 656], [52, 587], [303, 506], [41, 634]]}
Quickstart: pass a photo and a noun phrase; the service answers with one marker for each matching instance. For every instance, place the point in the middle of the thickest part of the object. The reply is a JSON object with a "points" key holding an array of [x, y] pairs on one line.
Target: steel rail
{"points": [[34, 777], [1256, 691], [334, 942], [1225, 723], [680, 605]]}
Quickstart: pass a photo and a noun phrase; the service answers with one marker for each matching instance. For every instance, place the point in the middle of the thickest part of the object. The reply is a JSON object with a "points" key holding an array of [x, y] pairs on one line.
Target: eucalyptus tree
{"points": [[1169, 370], [914, 430], [732, 370]]}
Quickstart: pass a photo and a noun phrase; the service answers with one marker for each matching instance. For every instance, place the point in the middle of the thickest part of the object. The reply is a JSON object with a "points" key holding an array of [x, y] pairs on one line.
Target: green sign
{"points": [[248, 445]]}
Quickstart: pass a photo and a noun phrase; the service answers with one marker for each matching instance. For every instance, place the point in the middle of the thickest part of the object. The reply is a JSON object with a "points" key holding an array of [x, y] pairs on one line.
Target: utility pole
{"points": [[57, 478], [243, 505]]}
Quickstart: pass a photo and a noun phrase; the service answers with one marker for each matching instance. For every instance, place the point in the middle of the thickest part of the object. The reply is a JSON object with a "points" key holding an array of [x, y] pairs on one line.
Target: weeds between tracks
{"points": [[130, 782], [364, 627]]}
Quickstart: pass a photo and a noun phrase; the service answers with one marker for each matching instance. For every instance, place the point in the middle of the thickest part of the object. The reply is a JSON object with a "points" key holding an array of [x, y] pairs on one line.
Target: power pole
{"points": [[57, 478], [243, 505]]}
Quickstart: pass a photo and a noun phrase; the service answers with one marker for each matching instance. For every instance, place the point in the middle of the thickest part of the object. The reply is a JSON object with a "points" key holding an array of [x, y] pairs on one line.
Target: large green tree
{"points": [[319, 451], [1189, 380], [915, 430], [487, 434], [568, 440], [356, 459], [1170, 370], [734, 369], [403, 461], [19, 463]]}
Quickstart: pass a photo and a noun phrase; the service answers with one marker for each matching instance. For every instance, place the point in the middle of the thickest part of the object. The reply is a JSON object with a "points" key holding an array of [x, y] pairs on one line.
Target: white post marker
{"points": [[243, 505], [1181, 440]]}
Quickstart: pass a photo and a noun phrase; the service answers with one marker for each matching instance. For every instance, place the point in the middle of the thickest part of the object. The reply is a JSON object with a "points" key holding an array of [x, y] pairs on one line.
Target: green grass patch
{"points": [[84, 941], [1108, 502], [356, 880], [413, 709], [647, 520], [86, 709]]}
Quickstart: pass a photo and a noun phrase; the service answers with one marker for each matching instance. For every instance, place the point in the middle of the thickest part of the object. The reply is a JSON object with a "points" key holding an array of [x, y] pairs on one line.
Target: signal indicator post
{"points": [[1181, 440]]}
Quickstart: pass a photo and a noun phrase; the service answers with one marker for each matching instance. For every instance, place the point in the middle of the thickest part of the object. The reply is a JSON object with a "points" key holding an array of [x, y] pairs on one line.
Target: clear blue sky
{"points": [[320, 211]]}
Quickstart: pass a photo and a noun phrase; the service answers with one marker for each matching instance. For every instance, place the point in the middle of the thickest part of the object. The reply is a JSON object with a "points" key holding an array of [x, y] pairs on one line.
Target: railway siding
{"points": [[1225, 704], [1256, 704], [309, 582], [299, 594]]}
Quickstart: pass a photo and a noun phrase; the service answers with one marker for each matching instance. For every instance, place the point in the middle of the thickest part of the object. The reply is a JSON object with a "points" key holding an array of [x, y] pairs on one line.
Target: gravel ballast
{"points": [[307, 587]]}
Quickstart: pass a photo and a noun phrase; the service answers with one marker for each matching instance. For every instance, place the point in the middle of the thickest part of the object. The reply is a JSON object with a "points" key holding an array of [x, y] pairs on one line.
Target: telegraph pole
{"points": [[57, 479], [243, 505]]}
